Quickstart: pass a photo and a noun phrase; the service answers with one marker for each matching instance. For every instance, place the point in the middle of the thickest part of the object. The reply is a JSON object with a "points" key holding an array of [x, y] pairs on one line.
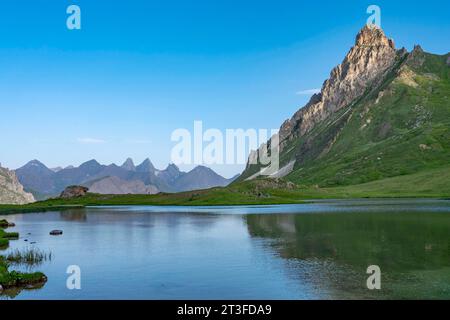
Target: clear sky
{"points": [[137, 70]]}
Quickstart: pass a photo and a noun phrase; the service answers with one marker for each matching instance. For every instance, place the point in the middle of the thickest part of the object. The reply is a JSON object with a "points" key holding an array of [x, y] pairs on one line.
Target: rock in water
{"points": [[74, 192], [56, 232]]}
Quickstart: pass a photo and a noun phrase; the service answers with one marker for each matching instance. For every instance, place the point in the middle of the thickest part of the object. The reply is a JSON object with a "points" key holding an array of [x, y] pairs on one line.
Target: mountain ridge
{"points": [[377, 98], [127, 178]]}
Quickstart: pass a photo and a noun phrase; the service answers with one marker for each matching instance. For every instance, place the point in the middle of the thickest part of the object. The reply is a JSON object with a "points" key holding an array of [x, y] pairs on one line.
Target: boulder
{"points": [[5, 224], [74, 192]]}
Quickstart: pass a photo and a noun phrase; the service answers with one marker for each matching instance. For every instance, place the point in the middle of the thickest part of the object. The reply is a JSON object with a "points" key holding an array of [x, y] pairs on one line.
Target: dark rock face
{"points": [[74, 192]]}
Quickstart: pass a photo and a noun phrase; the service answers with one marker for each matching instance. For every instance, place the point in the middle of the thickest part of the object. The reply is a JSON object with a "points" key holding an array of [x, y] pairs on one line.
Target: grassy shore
{"points": [[14, 279], [430, 184]]}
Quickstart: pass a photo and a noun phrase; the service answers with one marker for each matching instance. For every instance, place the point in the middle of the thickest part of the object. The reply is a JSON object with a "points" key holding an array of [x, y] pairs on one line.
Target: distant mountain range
{"points": [[144, 178]]}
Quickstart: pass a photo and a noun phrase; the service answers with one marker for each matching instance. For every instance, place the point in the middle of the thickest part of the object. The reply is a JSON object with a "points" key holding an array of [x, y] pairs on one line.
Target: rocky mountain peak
{"points": [[35, 163], [129, 165], [35, 166], [372, 35], [172, 168], [372, 56], [146, 166]]}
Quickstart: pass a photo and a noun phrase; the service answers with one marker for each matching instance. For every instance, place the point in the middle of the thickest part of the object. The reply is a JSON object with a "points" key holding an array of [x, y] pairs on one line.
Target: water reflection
{"points": [[74, 215], [412, 249], [313, 251]]}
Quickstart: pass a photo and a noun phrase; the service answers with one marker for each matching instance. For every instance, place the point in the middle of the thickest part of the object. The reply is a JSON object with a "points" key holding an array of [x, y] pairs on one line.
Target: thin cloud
{"points": [[90, 141], [308, 92]]}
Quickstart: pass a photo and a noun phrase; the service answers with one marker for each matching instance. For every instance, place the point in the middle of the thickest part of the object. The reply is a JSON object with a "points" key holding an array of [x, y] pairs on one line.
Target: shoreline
{"points": [[24, 209]]}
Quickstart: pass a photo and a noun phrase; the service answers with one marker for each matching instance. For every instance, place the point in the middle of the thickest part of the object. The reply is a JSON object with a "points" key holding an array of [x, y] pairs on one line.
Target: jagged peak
{"points": [[418, 48], [146, 166], [90, 163], [35, 164], [372, 35], [172, 167], [129, 165]]}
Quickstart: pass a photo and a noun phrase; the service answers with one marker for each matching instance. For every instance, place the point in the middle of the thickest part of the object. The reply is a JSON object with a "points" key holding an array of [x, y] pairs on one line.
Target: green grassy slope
{"points": [[403, 128], [400, 127]]}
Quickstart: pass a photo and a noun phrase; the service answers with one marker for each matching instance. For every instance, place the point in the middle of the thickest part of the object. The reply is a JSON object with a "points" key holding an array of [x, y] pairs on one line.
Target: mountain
{"points": [[11, 191], [200, 178], [129, 165], [35, 176], [170, 175], [127, 178], [145, 166], [382, 113], [115, 185]]}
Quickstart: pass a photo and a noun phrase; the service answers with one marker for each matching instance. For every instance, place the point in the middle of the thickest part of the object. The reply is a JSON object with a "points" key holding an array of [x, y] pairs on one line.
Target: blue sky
{"points": [[137, 70]]}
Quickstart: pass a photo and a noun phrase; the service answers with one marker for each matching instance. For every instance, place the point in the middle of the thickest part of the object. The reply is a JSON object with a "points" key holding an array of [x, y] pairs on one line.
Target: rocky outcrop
{"points": [[74, 192], [371, 57], [11, 191]]}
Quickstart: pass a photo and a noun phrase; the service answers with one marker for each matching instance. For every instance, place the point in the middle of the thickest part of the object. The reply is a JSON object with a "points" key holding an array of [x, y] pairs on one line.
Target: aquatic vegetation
{"points": [[29, 256], [15, 279], [5, 237]]}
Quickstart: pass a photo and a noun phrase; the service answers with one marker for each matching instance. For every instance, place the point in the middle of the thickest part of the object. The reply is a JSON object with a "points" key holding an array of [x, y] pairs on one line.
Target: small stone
{"points": [[56, 232]]}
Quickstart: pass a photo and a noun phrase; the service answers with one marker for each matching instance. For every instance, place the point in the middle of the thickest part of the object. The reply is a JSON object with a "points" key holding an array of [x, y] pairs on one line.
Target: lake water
{"points": [[317, 250]]}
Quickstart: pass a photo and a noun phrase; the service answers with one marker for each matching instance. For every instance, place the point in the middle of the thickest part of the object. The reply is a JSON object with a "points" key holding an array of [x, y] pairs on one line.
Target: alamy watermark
{"points": [[374, 19], [73, 282], [374, 280], [73, 22], [233, 146]]}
